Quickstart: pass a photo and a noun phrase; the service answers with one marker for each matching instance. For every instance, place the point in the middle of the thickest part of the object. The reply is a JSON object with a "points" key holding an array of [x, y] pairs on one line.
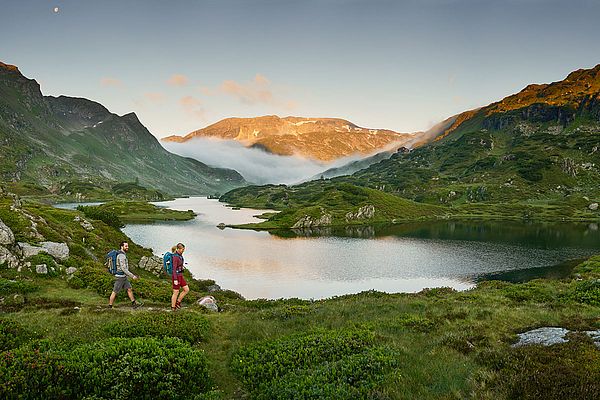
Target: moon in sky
{"points": [[56, 10]]}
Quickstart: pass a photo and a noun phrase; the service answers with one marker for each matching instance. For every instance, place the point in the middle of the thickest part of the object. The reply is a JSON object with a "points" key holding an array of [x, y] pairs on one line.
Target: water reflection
{"points": [[324, 262], [537, 235]]}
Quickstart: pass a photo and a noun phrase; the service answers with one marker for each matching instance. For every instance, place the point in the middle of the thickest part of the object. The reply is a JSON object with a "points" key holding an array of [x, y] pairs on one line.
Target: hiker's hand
{"points": [[135, 278], [176, 282]]}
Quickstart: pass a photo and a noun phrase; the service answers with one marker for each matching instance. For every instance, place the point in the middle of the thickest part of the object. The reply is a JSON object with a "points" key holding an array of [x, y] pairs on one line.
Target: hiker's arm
{"points": [[122, 260]]}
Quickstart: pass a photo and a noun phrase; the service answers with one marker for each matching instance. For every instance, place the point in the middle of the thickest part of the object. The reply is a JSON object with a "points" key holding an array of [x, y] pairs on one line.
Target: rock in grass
{"points": [[593, 206], [6, 235], [7, 257], [41, 269], [60, 251], [546, 336]]}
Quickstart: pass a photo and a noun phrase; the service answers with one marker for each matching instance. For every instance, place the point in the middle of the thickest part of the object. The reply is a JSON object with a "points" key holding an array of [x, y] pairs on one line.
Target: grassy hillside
{"points": [[534, 155], [57, 336], [51, 143]]}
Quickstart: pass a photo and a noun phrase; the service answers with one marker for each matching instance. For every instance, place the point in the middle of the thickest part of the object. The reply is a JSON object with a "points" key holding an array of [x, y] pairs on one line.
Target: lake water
{"points": [[400, 258]]}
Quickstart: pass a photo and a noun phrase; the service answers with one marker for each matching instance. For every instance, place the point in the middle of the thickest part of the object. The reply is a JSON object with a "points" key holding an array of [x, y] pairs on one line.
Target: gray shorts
{"points": [[120, 284]]}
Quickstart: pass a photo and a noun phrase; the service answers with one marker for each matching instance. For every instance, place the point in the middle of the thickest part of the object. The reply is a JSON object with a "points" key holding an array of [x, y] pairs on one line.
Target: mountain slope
{"points": [[52, 141], [533, 155], [322, 139]]}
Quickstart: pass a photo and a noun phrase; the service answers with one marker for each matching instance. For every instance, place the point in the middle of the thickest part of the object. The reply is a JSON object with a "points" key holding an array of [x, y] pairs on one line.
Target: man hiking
{"points": [[121, 281], [177, 277]]}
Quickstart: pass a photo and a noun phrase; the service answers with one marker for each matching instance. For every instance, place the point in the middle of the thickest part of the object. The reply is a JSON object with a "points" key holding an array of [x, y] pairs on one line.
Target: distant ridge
{"points": [[323, 139]]}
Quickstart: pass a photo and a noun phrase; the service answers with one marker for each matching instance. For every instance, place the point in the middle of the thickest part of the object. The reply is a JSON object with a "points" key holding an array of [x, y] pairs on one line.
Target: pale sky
{"points": [[401, 65]]}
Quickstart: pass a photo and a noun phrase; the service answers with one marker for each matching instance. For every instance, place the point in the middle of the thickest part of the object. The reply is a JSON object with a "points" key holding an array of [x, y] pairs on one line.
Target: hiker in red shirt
{"points": [[177, 278]]}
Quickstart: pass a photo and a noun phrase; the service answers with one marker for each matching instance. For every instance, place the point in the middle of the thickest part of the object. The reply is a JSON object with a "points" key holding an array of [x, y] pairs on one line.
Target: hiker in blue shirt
{"points": [[121, 281]]}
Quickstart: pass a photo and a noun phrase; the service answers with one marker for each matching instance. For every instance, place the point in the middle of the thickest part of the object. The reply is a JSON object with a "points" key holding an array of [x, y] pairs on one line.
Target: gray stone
{"points": [[41, 269], [60, 251], [6, 235], [213, 288], [546, 336], [209, 302], [7, 257], [152, 264], [71, 270], [85, 224], [595, 336], [28, 250], [593, 206]]}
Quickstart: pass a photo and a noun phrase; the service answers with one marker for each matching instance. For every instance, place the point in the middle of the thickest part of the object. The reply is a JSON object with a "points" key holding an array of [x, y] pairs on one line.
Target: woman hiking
{"points": [[177, 277]]}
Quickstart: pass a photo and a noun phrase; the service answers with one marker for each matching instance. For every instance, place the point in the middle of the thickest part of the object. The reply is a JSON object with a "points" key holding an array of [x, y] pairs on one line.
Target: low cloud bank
{"points": [[255, 165]]}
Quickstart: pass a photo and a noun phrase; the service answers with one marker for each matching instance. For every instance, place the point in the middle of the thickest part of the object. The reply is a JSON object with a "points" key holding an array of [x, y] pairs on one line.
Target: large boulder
{"points": [[6, 235], [152, 264], [28, 250], [59, 251]]}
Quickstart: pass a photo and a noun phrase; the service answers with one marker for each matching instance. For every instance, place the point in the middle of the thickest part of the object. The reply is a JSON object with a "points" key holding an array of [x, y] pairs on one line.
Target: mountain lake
{"points": [[316, 264]]}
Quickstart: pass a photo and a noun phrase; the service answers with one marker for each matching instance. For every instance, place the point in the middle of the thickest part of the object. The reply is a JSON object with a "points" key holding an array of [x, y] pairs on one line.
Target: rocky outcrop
{"points": [[6, 235], [364, 212], [59, 251], [307, 221], [7, 257], [85, 224], [151, 264]]}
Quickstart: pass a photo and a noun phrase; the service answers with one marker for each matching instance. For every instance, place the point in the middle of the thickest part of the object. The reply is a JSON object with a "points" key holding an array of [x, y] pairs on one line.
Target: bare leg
{"points": [[112, 298], [186, 290], [174, 297], [130, 294]]}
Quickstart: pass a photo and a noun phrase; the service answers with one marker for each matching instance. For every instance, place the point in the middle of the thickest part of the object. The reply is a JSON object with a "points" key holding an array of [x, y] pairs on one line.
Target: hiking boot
{"points": [[110, 306], [178, 305], [136, 304]]}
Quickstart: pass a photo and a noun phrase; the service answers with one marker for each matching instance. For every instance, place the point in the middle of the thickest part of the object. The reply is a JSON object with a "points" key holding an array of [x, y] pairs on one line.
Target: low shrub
{"points": [[562, 371], [142, 368], [93, 277], [186, 326], [586, 292], [416, 322], [43, 258], [353, 377], [529, 292], [263, 362], [109, 217], [13, 286], [12, 334]]}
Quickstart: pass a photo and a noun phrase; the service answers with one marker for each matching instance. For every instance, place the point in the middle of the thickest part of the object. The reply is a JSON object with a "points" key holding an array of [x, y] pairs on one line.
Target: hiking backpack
{"points": [[111, 261], [168, 263]]}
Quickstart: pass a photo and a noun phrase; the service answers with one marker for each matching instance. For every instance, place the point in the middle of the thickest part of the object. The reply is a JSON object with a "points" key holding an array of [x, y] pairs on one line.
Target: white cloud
{"points": [[255, 165]]}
